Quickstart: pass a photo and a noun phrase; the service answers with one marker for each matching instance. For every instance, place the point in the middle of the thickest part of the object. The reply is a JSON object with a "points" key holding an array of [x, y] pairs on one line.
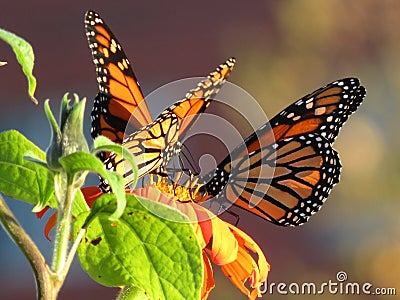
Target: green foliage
{"points": [[21, 179], [24, 53], [132, 293], [78, 162], [125, 244], [68, 151], [158, 256], [31, 180]]}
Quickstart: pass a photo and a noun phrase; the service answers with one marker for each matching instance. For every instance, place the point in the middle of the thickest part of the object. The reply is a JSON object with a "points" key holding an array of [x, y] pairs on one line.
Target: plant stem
{"points": [[64, 218], [72, 252], [34, 256]]}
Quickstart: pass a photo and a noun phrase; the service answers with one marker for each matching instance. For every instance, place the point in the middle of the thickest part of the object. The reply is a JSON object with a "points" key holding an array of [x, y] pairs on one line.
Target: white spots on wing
{"points": [[98, 20], [113, 49], [125, 62]]}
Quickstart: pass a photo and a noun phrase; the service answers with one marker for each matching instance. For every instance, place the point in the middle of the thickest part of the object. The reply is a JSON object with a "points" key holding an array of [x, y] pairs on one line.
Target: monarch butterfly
{"points": [[155, 144], [120, 101], [297, 147], [120, 104]]}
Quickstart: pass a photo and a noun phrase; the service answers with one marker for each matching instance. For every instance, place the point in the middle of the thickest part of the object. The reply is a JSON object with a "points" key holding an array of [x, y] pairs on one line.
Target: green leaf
{"points": [[22, 179], [77, 162], [161, 257], [30, 156], [101, 143], [24, 53], [53, 151], [132, 293], [80, 205]]}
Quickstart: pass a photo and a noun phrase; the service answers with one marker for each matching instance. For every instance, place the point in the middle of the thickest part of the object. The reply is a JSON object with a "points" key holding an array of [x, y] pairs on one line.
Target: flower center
{"points": [[189, 192]]}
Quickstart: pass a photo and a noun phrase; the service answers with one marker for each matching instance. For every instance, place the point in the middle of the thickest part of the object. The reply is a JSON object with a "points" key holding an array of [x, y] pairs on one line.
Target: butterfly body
{"points": [[153, 146]]}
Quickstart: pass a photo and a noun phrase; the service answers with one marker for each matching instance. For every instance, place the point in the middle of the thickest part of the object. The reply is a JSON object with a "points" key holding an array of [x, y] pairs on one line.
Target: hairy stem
{"points": [[72, 252], [34, 256], [65, 192]]}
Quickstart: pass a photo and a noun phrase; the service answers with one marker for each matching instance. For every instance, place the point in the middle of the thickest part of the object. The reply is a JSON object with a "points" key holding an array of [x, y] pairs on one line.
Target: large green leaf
{"points": [[160, 257], [21, 179]]}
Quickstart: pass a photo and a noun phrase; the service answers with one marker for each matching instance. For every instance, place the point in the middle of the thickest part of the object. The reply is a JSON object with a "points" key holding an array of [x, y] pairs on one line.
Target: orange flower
{"points": [[223, 243]]}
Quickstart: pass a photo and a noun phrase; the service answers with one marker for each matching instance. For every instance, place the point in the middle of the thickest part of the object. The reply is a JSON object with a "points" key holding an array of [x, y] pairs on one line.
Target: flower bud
{"points": [[70, 137]]}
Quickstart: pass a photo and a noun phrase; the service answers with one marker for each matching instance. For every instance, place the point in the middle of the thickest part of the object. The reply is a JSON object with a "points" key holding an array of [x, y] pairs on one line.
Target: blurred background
{"points": [[284, 49]]}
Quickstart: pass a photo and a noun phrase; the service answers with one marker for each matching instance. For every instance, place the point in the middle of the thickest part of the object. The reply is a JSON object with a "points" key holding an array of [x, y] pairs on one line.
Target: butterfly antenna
{"points": [[188, 159]]}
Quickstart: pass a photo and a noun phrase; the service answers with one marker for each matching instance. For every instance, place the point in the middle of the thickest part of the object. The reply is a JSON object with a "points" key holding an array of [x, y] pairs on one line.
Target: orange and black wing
{"points": [[120, 102], [284, 172], [189, 109], [322, 112], [151, 146], [284, 183], [154, 145]]}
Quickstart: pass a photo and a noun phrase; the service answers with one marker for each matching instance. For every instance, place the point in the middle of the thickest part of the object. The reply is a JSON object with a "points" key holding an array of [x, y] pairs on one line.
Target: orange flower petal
{"points": [[245, 268], [41, 213], [224, 246], [51, 222], [91, 193], [249, 243], [208, 280]]}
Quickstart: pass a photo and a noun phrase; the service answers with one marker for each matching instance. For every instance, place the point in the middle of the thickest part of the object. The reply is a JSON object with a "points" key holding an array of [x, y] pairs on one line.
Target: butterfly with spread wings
{"points": [[286, 169], [120, 104]]}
